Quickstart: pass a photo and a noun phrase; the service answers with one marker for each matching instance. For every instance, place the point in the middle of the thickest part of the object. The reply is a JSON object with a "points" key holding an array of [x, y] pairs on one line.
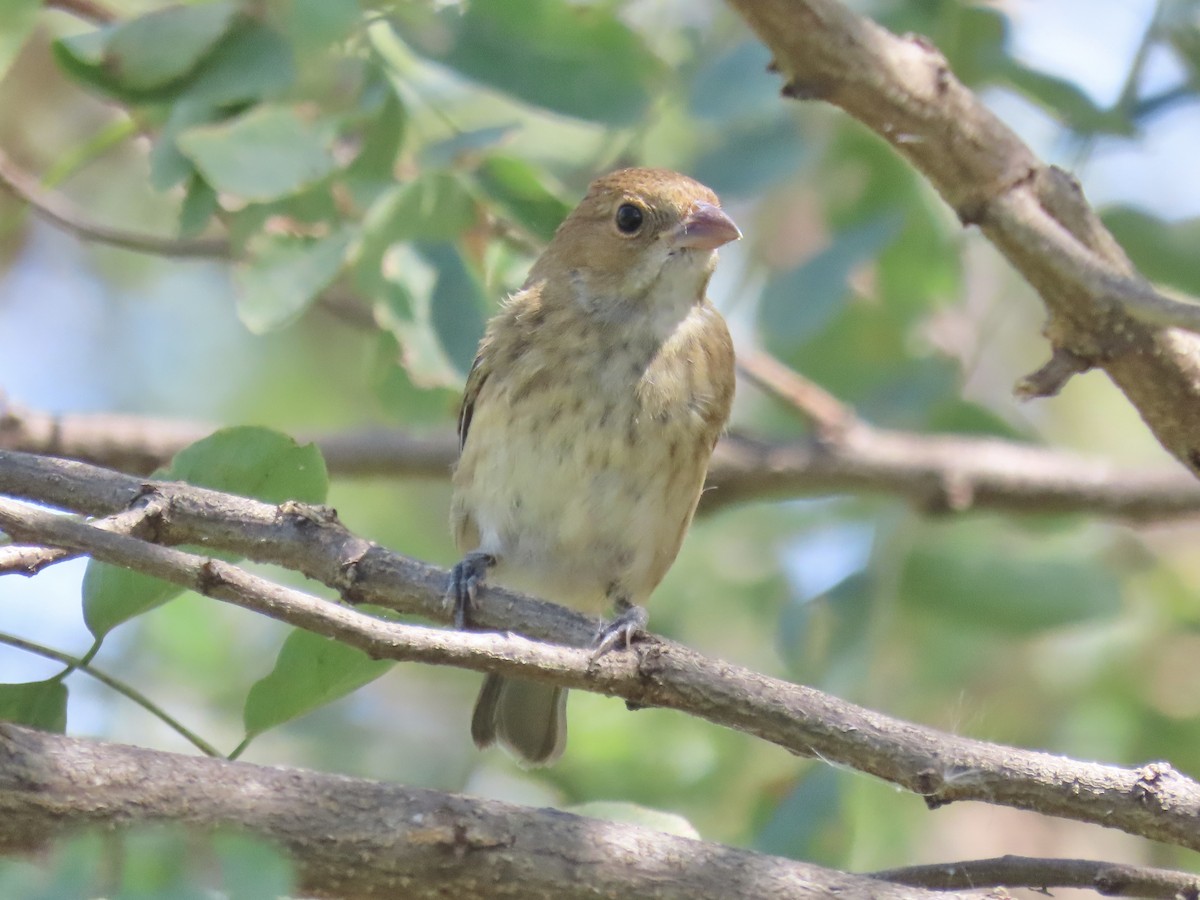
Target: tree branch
{"points": [[1154, 801], [57, 210], [350, 837], [1105, 878], [1100, 309], [88, 10], [938, 473]]}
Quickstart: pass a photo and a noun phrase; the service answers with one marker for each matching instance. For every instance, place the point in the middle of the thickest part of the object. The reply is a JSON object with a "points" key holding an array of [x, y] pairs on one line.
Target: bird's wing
{"points": [[475, 379]]}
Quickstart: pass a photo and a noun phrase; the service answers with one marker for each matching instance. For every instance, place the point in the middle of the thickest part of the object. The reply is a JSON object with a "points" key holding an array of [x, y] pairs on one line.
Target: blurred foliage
{"points": [[151, 863], [386, 173]]}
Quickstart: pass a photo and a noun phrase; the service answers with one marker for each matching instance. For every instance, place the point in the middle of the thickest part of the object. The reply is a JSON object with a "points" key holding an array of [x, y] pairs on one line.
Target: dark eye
{"points": [[629, 218]]}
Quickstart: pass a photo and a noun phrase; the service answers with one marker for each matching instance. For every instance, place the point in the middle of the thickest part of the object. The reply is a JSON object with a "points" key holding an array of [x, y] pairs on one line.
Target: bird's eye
{"points": [[629, 218]]}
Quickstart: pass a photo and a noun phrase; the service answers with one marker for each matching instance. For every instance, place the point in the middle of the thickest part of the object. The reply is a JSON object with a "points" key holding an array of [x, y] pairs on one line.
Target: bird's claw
{"points": [[465, 580], [630, 623]]}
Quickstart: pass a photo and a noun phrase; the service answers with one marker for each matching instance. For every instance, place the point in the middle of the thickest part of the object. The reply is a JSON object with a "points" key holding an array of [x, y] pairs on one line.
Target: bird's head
{"points": [[641, 240]]}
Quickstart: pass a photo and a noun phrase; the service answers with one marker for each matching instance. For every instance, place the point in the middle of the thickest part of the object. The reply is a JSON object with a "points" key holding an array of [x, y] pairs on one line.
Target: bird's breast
{"points": [[586, 456]]}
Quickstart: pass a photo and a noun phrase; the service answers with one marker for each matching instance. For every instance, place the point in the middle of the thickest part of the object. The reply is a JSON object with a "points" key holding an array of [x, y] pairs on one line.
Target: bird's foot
{"points": [[466, 578], [629, 623]]}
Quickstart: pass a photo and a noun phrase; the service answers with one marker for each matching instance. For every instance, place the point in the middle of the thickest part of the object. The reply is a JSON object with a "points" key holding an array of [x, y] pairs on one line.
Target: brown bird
{"points": [[589, 418]]}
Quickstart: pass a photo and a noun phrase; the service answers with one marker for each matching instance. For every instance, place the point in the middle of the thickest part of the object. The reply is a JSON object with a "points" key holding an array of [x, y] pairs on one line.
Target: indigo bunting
{"points": [[589, 417]]}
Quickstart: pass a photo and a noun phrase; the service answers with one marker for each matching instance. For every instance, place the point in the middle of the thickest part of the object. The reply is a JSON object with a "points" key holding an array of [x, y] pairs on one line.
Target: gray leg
{"points": [[465, 580]]}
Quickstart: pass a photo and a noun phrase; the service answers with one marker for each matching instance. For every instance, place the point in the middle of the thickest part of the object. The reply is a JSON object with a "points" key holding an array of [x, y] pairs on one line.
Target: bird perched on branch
{"points": [[587, 425]]}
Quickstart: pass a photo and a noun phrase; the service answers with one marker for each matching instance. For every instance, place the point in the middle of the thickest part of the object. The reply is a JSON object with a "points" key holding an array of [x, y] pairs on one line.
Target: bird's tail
{"points": [[527, 718]]}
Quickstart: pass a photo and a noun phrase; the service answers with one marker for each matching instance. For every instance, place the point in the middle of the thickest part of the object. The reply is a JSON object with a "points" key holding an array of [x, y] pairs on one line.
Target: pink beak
{"points": [[706, 227]]}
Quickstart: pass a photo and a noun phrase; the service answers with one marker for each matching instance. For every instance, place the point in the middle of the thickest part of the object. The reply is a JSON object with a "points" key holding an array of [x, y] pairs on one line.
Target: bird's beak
{"points": [[706, 227]]}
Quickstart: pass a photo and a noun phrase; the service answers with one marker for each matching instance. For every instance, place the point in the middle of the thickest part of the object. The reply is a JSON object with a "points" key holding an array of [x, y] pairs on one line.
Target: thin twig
{"points": [[831, 417], [57, 210], [17, 559], [1052, 377], [89, 10], [130, 693], [1154, 801], [1106, 878]]}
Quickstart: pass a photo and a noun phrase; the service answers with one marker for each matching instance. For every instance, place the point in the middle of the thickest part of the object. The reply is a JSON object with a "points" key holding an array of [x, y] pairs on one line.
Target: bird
{"points": [[588, 420]]}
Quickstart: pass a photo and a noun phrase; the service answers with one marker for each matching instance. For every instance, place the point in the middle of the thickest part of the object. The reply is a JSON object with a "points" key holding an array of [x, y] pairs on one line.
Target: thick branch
{"points": [[936, 472], [355, 838], [1154, 801], [1101, 310]]}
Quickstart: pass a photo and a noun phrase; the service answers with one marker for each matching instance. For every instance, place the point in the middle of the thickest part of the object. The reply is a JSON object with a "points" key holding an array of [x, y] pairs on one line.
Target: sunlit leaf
{"points": [[284, 274], [266, 153], [581, 60], [520, 189], [310, 671], [162, 46]]}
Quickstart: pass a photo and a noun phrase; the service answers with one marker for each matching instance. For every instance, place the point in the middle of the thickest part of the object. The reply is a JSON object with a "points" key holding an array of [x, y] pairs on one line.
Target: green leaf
{"points": [[310, 671], [250, 64], [465, 145], [82, 57], [249, 461], [798, 304], [1163, 251], [156, 863], [985, 580], [373, 169], [169, 167], [457, 304], [113, 595], [157, 49], [199, 206], [284, 274], [252, 869], [39, 704], [406, 390], [17, 21], [265, 154], [519, 189], [580, 60], [254, 62], [253, 462], [433, 207], [1067, 102], [147, 58], [315, 24]]}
